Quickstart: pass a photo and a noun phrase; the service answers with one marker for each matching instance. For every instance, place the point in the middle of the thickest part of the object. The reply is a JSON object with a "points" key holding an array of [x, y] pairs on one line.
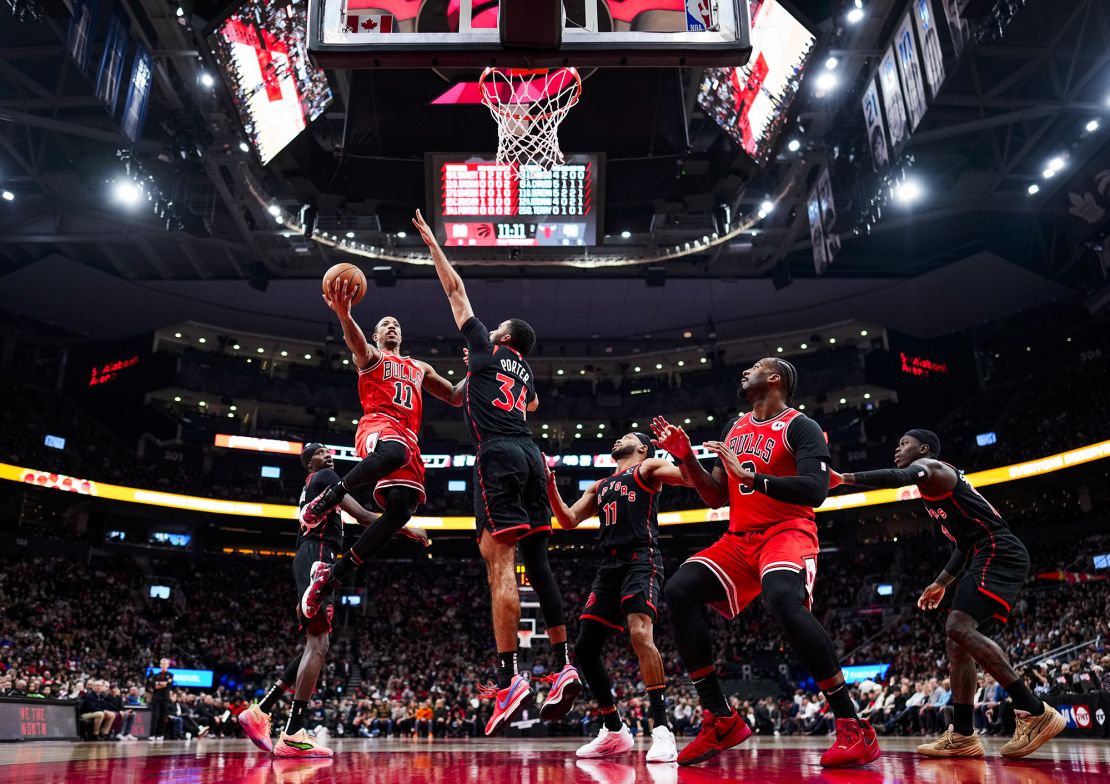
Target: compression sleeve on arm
{"points": [[956, 562], [808, 488], [476, 335], [892, 478]]}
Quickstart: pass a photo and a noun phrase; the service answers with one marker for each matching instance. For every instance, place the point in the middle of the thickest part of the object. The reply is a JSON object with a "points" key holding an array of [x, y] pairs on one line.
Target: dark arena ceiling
{"points": [[1025, 103]]}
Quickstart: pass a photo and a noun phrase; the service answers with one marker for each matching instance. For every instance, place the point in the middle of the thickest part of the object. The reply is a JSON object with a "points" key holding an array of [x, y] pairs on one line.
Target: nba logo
{"points": [[701, 15]]}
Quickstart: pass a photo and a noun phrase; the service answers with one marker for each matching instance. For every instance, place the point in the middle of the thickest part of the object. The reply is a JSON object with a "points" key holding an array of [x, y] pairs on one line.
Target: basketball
{"points": [[350, 273]]}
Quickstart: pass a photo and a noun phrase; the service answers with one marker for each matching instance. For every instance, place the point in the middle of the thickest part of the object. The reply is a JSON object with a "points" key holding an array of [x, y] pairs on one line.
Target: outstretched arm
{"points": [[568, 516], [439, 387], [661, 472], [712, 487], [339, 297], [932, 475], [450, 280]]}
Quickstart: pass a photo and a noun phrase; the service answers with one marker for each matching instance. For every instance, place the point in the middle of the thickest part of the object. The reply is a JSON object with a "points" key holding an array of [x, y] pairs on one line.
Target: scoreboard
{"points": [[478, 202]]}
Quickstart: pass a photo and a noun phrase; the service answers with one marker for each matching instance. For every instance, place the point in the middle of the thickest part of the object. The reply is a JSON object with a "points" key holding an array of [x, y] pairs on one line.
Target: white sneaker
{"points": [[663, 748], [607, 743]]}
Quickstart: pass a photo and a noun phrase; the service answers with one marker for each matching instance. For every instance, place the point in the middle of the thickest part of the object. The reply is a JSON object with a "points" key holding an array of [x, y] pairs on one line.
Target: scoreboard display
{"points": [[478, 202]]}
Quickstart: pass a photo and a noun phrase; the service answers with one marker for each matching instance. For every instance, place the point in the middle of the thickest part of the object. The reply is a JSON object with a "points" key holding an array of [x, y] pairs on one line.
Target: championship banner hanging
{"points": [[822, 222], [876, 129], [109, 75], [909, 68], [892, 99], [82, 28], [138, 94], [928, 36]]}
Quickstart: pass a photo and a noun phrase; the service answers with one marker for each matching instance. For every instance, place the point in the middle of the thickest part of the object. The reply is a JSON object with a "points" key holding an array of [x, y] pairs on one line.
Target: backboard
{"points": [[464, 34]]}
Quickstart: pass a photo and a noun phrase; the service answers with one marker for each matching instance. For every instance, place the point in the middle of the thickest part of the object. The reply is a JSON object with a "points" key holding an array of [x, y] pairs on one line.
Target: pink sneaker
{"points": [[300, 744], [607, 744], [566, 686], [256, 726], [506, 702]]}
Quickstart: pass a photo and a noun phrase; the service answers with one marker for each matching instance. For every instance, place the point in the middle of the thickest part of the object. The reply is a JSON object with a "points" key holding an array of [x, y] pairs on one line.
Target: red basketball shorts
{"points": [[740, 561], [377, 429]]}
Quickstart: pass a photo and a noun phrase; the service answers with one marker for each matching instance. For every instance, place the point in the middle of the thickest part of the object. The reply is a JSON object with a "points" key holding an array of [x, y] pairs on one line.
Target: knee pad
{"points": [[401, 501], [784, 592], [391, 454]]}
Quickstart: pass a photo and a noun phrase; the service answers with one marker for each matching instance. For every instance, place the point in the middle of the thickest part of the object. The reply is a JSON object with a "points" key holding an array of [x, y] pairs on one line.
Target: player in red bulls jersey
{"points": [[772, 470], [994, 564], [627, 586], [390, 387], [511, 510]]}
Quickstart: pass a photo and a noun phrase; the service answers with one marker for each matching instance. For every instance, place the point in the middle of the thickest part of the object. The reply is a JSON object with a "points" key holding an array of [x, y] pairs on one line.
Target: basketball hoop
{"points": [[528, 106]]}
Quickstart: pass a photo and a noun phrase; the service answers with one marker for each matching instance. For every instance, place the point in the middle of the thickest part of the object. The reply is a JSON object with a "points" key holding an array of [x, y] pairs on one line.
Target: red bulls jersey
{"points": [[772, 447], [393, 387]]}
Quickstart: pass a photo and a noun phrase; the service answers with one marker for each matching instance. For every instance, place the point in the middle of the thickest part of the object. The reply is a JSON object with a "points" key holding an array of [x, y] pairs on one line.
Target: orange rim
{"points": [[494, 104]]}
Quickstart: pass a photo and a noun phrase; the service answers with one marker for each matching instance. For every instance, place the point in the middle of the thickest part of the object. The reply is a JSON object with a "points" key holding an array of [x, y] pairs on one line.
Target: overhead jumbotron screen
{"points": [[475, 202], [262, 53], [752, 103]]}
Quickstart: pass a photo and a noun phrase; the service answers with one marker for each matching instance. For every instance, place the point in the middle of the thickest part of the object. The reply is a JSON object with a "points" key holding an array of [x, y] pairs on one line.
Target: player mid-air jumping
{"points": [[627, 587], [390, 388], [994, 564], [510, 506], [318, 545], [772, 470]]}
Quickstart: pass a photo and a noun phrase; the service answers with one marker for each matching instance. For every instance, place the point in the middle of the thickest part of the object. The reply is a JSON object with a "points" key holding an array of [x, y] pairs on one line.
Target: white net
{"points": [[528, 106]]}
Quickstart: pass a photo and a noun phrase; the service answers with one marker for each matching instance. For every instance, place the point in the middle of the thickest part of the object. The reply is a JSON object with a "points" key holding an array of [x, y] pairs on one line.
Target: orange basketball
{"points": [[350, 273]]}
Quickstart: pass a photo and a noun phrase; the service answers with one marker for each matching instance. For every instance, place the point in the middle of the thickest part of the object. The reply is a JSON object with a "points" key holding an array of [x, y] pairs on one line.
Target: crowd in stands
{"points": [[408, 660]]}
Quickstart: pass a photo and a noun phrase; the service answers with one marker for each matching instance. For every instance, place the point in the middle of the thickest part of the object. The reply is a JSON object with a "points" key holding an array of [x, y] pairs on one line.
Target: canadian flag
{"points": [[369, 23]]}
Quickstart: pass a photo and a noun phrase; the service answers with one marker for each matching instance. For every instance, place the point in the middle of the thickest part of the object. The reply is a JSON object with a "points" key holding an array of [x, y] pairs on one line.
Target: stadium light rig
{"points": [[855, 15], [907, 192], [7, 195], [127, 192]]}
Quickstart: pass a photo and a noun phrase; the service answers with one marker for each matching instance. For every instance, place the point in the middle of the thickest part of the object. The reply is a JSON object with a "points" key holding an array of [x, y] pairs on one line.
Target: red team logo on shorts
{"points": [[590, 602]]}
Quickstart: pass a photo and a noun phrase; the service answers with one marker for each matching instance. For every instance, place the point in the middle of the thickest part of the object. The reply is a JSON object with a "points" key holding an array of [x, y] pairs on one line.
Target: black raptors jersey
{"points": [[331, 530], [964, 516], [627, 511], [499, 387]]}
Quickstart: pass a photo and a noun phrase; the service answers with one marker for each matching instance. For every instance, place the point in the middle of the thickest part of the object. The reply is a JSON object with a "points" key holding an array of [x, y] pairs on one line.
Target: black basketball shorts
{"points": [[510, 489]]}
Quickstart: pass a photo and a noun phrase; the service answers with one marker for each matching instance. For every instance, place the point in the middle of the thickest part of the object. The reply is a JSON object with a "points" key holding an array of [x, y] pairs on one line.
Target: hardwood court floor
{"points": [[526, 761]]}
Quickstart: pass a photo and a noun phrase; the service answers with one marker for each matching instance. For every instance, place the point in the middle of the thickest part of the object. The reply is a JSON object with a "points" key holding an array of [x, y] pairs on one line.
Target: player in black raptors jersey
{"points": [[510, 500], [994, 564], [315, 546], [628, 586]]}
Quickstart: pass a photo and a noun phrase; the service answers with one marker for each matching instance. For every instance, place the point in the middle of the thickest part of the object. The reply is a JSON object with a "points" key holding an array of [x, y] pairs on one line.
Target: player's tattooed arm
{"points": [[439, 387], [451, 281], [339, 297], [568, 516], [712, 487]]}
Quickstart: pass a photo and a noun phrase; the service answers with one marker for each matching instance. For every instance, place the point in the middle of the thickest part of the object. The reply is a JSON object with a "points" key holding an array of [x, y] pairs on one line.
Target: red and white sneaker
{"points": [[256, 726], [607, 743], [313, 596], [566, 686], [717, 734], [317, 510], [856, 744], [300, 744], [507, 702]]}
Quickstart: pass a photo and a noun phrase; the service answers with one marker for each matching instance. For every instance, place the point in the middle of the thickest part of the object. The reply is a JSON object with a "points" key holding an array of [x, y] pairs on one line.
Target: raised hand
{"points": [[340, 296], [730, 462], [425, 230], [671, 438]]}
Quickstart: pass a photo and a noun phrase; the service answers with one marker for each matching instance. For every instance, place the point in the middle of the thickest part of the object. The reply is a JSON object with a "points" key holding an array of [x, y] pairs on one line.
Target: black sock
{"points": [[840, 700], [344, 566], [657, 696], [296, 717], [562, 654], [1023, 698], [266, 704], [506, 668], [611, 718], [962, 718], [711, 695]]}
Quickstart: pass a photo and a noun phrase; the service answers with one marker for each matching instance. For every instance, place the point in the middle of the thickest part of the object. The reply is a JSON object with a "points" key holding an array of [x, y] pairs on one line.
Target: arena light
{"points": [[804, 346], [261, 350], [206, 80], [626, 234], [831, 63], [832, 340], [1047, 173], [233, 408], [1092, 126], [658, 365], [779, 349], [546, 427], [703, 360], [127, 192], [235, 347], [578, 426], [1057, 163], [177, 398], [863, 333], [274, 210], [825, 81], [709, 418], [843, 400], [636, 369], [855, 16], [177, 334], [244, 147], [401, 235], [866, 395], [180, 12], [680, 363], [202, 340], [559, 372], [350, 235], [285, 353], [7, 195], [308, 356], [793, 145], [635, 424], [1033, 189]]}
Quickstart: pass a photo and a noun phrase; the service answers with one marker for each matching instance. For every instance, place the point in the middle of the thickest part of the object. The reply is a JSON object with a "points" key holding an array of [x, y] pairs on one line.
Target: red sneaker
{"points": [[717, 734], [565, 688], [507, 702], [855, 744], [316, 591]]}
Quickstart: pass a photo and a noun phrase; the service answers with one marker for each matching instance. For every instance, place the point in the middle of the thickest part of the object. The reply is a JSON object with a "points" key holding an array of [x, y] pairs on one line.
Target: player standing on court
{"points": [[319, 545], [627, 587], [994, 564], [510, 505], [390, 387], [772, 470]]}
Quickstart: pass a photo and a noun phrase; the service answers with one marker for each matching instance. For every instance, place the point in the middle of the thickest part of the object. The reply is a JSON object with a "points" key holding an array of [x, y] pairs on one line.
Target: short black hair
{"points": [[789, 376], [521, 336]]}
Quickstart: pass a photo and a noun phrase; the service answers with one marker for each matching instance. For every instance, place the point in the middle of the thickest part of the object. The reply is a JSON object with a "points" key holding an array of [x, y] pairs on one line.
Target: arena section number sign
{"points": [[477, 202]]}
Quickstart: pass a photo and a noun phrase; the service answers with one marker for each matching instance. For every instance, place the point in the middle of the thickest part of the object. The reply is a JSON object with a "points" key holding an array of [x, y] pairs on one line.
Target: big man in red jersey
{"points": [[772, 470], [390, 387]]}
